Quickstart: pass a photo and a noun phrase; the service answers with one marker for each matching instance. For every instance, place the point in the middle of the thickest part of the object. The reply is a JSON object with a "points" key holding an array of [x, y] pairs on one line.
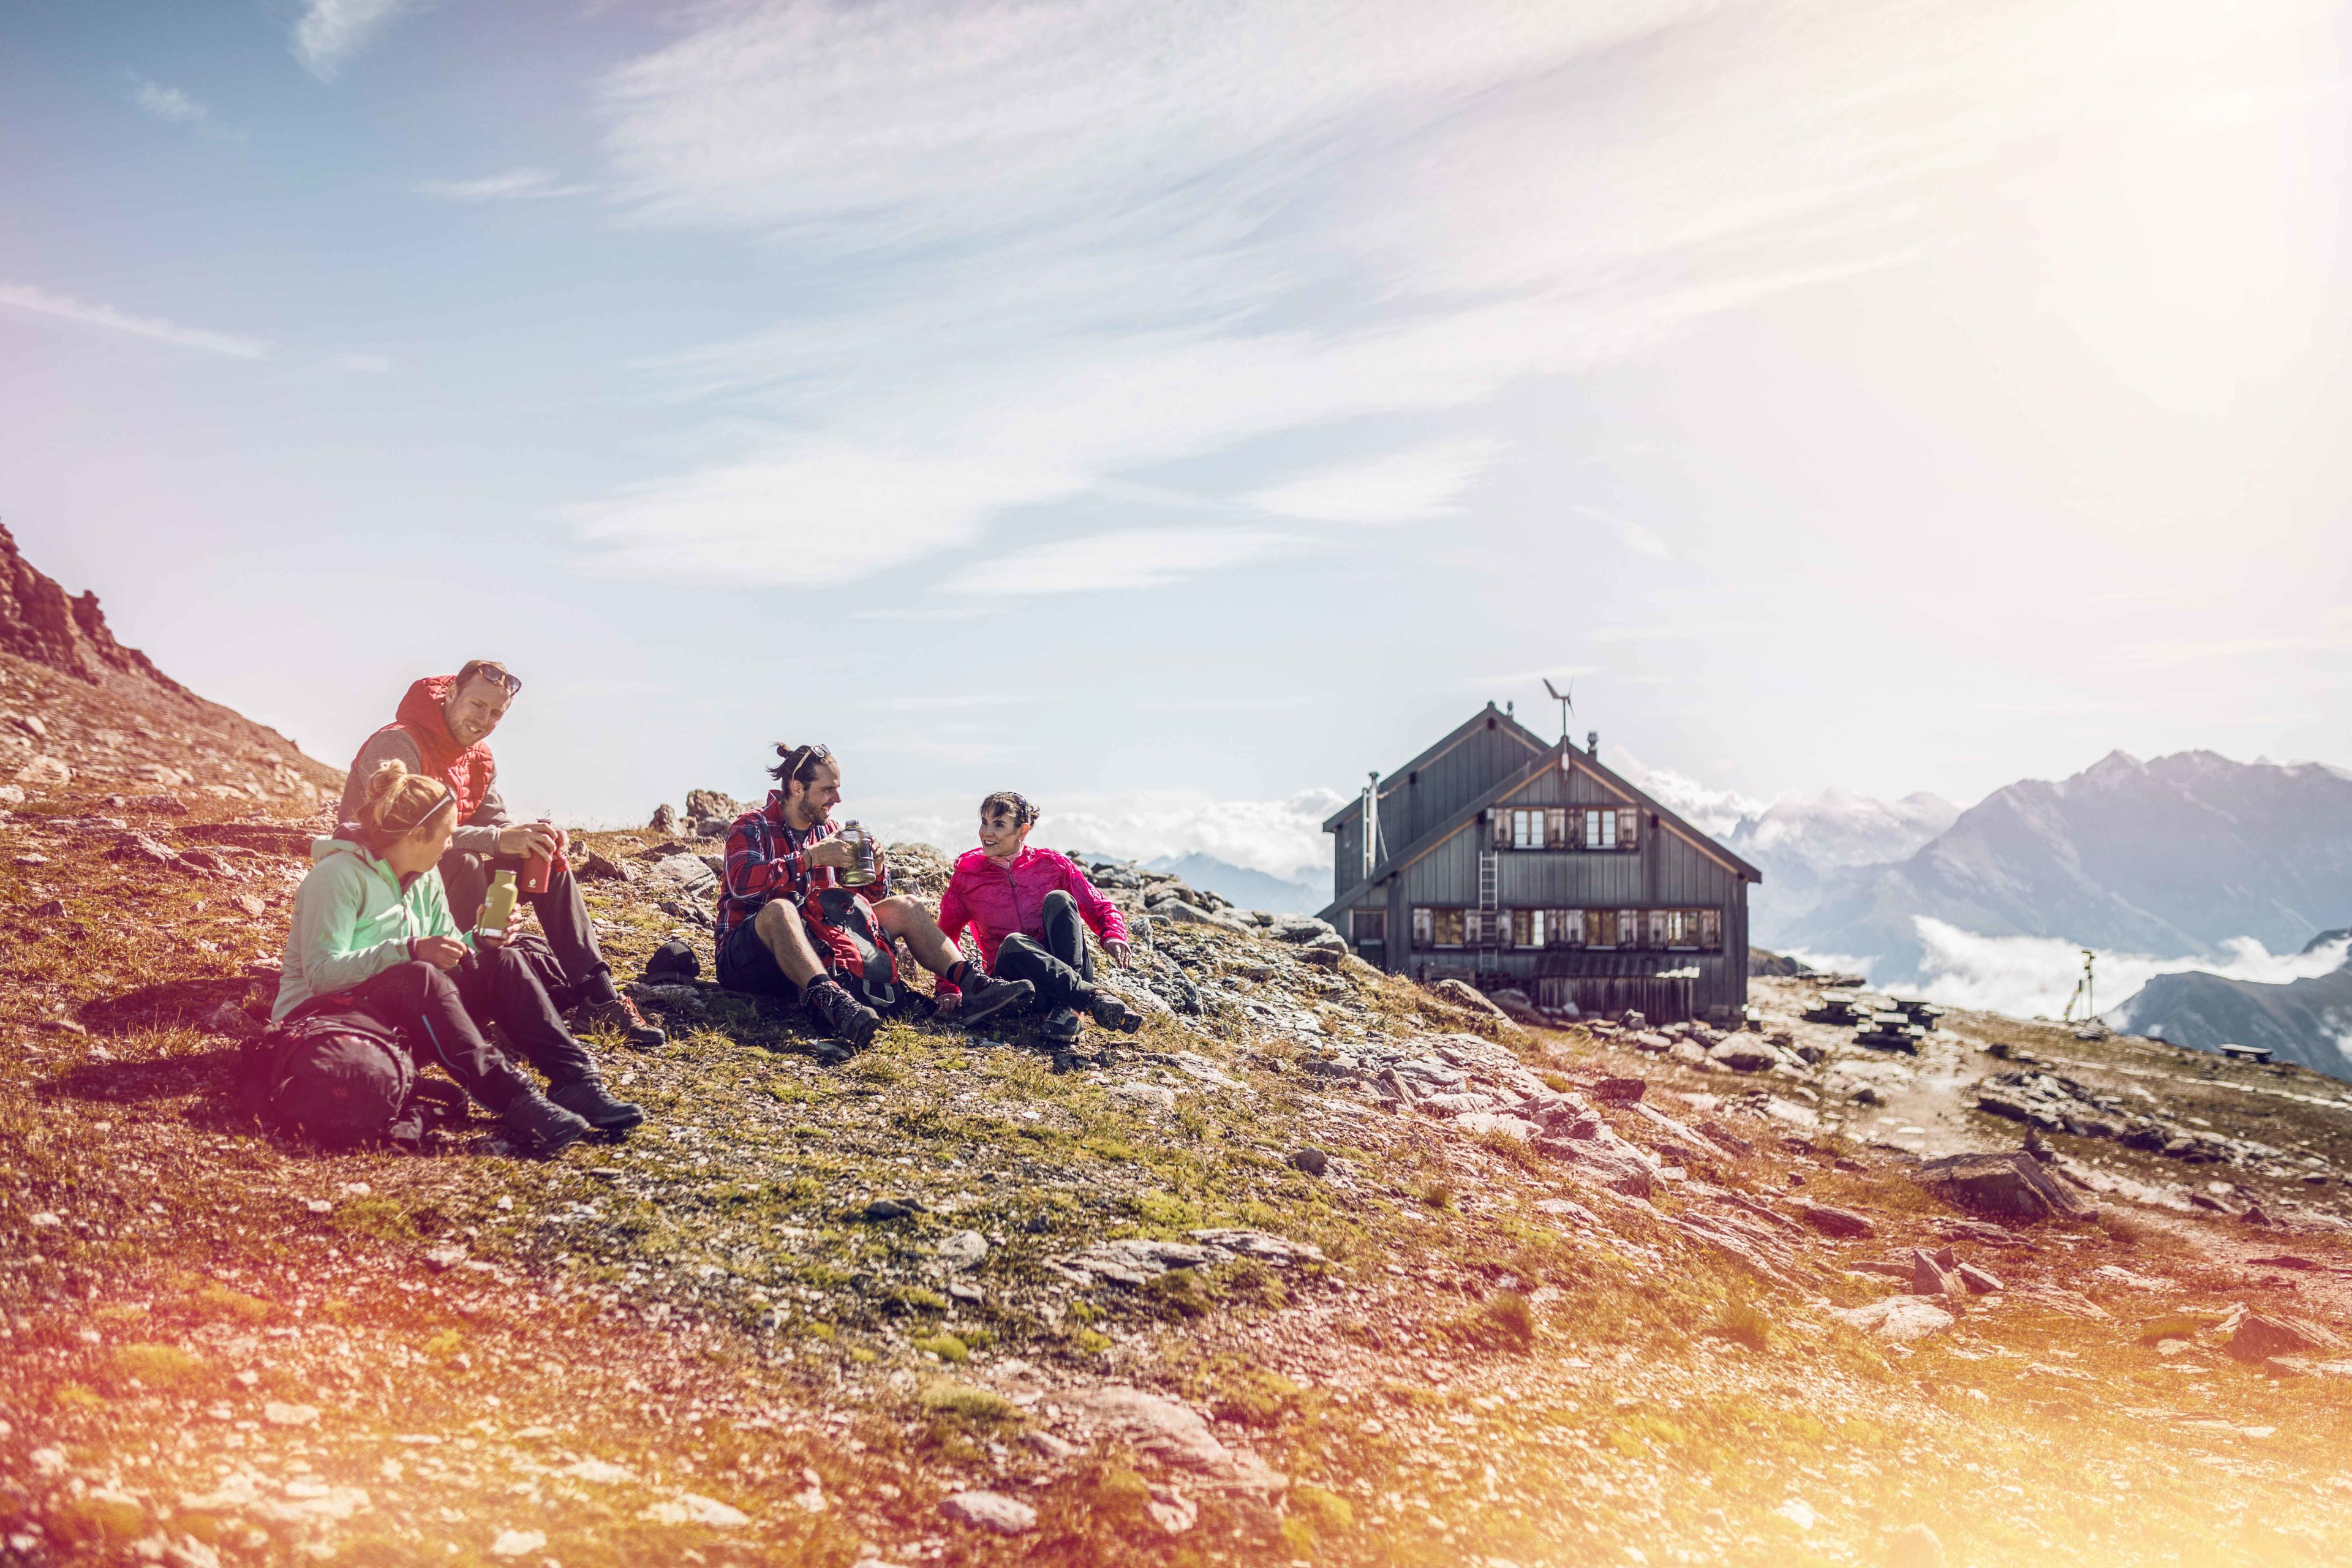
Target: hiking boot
{"points": [[837, 1012], [585, 1098], [542, 1126], [1113, 1012], [984, 997], [1060, 1027], [622, 1014]]}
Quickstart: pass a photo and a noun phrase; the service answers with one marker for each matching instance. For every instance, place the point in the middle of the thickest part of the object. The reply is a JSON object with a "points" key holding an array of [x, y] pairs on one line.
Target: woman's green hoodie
{"points": [[352, 921]]}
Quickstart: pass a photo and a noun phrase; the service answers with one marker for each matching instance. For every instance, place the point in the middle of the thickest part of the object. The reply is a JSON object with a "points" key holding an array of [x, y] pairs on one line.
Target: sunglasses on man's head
{"points": [[510, 684], [803, 756]]}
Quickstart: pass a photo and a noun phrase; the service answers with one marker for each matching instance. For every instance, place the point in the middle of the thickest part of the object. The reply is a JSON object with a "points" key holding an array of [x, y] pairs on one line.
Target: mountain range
{"points": [[2172, 858], [2308, 1020]]}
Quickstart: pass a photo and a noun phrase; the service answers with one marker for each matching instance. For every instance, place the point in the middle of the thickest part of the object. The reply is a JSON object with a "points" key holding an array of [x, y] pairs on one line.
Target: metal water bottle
{"points": [[863, 873]]}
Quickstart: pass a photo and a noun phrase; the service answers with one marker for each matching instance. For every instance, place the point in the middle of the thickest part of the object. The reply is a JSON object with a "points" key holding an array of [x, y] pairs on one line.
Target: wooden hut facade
{"points": [[1506, 861]]}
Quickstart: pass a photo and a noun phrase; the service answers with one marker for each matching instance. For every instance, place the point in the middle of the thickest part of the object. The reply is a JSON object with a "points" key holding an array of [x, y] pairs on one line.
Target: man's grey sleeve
{"points": [[479, 835], [389, 746]]}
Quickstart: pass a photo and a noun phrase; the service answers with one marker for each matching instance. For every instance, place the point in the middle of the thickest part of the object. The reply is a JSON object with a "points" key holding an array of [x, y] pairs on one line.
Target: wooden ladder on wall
{"points": [[1489, 886]]}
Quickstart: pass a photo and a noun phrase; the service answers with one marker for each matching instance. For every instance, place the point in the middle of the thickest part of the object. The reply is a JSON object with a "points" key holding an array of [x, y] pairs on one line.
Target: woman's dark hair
{"points": [[797, 765], [1012, 801]]}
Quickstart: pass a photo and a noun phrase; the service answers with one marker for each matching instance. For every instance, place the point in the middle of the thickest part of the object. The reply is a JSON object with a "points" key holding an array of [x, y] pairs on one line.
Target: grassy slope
{"points": [[216, 1345]]}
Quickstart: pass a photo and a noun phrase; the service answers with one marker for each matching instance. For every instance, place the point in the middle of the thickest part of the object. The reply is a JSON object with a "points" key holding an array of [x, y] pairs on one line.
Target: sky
{"points": [[1174, 412]]}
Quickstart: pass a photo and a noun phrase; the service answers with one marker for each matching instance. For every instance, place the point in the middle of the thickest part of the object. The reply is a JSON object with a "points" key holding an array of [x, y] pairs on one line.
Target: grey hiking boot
{"points": [[845, 1018], [540, 1125], [985, 996], [585, 1098], [1113, 1012], [1060, 1027]]}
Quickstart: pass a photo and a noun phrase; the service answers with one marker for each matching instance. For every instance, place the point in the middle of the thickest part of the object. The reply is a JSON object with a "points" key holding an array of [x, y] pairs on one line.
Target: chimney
{"points": [[1593, 744]]}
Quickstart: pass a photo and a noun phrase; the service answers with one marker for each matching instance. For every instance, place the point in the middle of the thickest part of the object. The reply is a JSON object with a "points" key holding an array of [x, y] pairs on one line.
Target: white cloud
{"points": [[1134, 558], [65, 307], [1283, 838], [331, 31], [2032, 976], [1403, 486], [1640, 540], [514, 185], [1074, 242], [1716, 811], [168, 104]]}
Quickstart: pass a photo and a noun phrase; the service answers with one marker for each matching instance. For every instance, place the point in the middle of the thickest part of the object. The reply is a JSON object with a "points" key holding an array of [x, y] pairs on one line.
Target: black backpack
{"points": [[337, 1082]]}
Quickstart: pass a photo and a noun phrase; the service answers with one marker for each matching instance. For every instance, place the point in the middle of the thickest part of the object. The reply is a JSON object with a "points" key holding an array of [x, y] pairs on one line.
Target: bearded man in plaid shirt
{"points": [[788, 926]]}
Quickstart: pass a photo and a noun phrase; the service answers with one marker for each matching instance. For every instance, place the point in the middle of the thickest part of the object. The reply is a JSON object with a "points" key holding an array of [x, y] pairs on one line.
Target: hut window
{"points": [[1599, 829], [1556, 827], [1695, 929], [1527, 927], [1437, 928], [1564, 928], [1528, 829], [1421, 936], [1369, 925]]}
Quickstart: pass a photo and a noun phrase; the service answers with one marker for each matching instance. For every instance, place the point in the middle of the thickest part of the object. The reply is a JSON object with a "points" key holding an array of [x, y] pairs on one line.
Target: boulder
{"points": [[991, 1511], [664, 820], [2010, 1187], [1462, 994], [1314, 1162], [1978, 1281], [1842, 1223], [963, 1249], [705, 805], [1744, 1055], [1929, 1277], [2261, 1335], [1172, 1433], [1620, 1090], [1301, 928], [1901, 1319], [1604, 1159], [1518, 1006]]}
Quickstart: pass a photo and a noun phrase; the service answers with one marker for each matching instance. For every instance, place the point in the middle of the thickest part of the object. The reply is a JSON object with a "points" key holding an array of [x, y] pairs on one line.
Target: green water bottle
{"points": [[498, 905]]}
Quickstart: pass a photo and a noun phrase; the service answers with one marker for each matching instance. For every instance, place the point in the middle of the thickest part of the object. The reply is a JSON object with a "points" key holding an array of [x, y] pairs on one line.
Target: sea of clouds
{"points": [[2032, 976]]}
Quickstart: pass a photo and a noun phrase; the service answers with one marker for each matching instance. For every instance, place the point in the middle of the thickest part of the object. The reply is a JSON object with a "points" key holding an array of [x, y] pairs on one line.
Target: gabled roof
{"points": [[1398, 859], [1472, 725]]}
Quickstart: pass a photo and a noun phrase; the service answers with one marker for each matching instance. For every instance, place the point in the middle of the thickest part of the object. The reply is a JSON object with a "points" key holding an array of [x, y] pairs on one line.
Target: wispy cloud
{"points": [[514, 185], [1135, 558], [65, 307], [331, 31], [1403, 486], [1069, 243], [1640, 540], [168, 104]]}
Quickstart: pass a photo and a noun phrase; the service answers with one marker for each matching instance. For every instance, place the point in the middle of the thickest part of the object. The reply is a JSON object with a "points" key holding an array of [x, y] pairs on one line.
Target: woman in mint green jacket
{"points": [[374, 947]]}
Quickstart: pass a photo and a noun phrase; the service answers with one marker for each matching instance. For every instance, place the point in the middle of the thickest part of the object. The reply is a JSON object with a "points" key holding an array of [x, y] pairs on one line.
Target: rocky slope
{"points": [[1320, 1267], [2169, 857], [79, 710]]}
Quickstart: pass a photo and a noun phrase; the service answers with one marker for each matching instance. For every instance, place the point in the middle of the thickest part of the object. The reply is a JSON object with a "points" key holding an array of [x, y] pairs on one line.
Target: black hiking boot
{"points": [[1061, 1027], [622, 1014], [585, 1098], [985, 996], [541, 1126], [838, 1014], [1113, 1012]]}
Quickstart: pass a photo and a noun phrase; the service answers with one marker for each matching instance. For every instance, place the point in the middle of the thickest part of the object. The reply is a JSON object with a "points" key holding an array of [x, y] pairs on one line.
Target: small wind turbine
{"points": [[1566, 699]]}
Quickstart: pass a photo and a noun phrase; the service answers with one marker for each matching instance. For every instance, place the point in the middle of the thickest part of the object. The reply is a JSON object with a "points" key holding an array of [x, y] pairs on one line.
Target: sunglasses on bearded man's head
{"points": [[510, 684]]}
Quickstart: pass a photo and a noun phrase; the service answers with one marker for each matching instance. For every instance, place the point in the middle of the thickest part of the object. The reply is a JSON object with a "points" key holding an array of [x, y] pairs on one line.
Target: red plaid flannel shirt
{"points": [[767, 857]]}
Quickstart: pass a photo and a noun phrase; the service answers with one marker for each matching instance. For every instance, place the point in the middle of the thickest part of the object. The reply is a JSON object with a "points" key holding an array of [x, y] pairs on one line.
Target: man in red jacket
{"points": [[439, 730], [1025, 907]]}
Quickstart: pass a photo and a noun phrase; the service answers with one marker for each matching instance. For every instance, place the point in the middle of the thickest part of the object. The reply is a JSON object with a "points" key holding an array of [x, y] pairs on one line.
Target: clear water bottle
{"points": [[862, 874]]}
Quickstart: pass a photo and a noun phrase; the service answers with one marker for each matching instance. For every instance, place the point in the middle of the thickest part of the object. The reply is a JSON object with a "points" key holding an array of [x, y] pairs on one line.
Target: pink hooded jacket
{"points": [[996, 901]]}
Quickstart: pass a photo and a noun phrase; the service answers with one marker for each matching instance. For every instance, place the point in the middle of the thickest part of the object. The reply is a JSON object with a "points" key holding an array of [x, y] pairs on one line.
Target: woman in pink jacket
{"points": [[1025, 906]]}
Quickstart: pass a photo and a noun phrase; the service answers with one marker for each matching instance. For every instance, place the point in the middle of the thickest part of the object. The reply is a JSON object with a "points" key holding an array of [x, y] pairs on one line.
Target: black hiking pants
{"points": [[1057, 963], [563, 914], [439, 1016]]}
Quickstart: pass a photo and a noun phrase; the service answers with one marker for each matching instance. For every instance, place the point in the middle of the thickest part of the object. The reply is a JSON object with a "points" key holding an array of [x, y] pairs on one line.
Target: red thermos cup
{"points": [[537, 868]]}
